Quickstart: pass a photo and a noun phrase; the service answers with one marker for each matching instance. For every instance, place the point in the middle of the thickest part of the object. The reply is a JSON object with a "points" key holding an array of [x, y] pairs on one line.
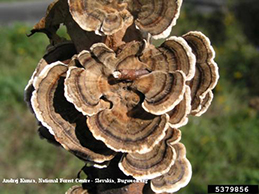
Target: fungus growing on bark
{"points": [[206, 75], [124, 133], [115, 100], [178, 176], [108, 17], [163, 91], [115, 116], [60, 117], [174, 54], [155, 17], [82, 86], [60, 52], [125, 58], [102, 16], [153, 163], [178, 115]]}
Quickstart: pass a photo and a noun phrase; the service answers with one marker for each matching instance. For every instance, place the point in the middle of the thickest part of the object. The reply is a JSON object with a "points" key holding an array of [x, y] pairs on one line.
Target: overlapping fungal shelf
{"points": [[109, 92]]}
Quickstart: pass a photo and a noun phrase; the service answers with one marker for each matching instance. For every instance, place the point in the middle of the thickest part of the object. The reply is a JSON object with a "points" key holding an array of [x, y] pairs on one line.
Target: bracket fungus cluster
{"points": [[107, 92]]}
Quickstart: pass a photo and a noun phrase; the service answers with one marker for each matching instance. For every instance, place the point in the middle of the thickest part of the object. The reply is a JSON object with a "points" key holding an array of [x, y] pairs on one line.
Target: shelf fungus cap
{"points": [[206, 74], [163, 91], [177, 177], [154, 163], [29, 87], [102, 16], [114, 113], [60, 117], [156, 17], [86, 86], [179, 115], [83, 85], [204, 105], [124, 130], [125, 58], [174, 54]]}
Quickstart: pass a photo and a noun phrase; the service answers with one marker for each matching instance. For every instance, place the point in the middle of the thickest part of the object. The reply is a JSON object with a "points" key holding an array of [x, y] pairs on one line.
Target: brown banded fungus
{"points": [[108, 17], [155, 17], [163, 91], [179, 115], [178, 176], [102, 16], [166, 165], [65, 123], [174, 54], [81, 86], [112, 107], [206, 75], [115, 100], [154, 163]]}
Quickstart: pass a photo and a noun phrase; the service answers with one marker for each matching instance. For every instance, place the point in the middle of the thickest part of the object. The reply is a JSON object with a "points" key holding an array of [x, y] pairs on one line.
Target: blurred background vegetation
{"points": [[222, 145]]}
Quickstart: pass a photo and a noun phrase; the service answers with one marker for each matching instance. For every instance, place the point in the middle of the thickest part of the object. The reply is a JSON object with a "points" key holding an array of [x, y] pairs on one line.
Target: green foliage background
{"points": [[222, 145]]}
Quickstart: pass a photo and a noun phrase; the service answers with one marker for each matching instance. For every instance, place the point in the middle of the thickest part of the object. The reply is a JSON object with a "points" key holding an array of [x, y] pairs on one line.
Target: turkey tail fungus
{"points": [[115, 100]]}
